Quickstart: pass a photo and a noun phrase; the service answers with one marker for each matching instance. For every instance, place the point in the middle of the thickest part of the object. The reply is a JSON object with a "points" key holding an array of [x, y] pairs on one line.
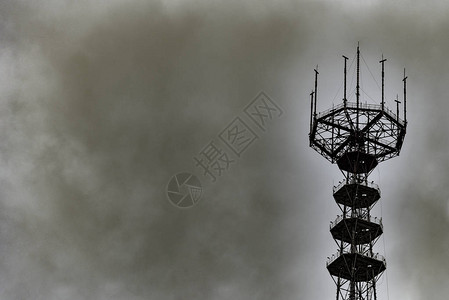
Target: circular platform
{"points": [[357, 195], [357, 230], [357, 162], [356, 267], [347, 127]]}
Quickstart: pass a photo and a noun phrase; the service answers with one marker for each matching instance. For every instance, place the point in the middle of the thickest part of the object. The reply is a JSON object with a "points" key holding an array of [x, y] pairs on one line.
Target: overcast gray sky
{"points": [[103, 101]]}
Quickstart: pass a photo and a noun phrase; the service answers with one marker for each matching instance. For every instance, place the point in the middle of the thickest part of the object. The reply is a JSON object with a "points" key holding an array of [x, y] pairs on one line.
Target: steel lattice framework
{"points": [[356, 137], [336, 130]]}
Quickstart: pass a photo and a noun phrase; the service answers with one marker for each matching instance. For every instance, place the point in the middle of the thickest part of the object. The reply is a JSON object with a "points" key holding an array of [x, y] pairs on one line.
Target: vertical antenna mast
{"points": [[358, 84], [383, 81], [311, 110], [344, 93], [397, 107], [316, 84], [405, 98]]}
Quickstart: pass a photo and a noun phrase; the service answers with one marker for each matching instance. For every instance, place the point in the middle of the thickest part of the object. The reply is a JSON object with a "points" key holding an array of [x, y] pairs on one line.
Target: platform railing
{"points": [[367, 184], [339, 218], [363, 106], [334, 256]]}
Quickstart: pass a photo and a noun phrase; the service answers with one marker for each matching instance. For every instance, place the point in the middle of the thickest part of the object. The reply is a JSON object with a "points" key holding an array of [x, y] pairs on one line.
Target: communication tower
{"points": [[357, 137]]}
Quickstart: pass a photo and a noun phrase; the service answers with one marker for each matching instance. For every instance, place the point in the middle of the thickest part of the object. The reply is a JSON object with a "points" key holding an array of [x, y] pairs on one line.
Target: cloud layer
{"points": [[103, 102]]}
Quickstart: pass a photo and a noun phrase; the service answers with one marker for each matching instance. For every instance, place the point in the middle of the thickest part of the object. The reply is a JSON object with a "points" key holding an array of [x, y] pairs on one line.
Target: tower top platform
{"points": [[365, 128], [357, 136]]}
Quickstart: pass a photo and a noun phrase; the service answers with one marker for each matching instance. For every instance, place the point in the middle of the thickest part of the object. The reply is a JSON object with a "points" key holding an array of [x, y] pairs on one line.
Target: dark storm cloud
{"points": [[103, 103], [102, 118]]}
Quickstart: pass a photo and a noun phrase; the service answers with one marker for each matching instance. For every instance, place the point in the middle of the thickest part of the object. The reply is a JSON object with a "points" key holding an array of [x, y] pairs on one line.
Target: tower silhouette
{"points": [[357, 137]]}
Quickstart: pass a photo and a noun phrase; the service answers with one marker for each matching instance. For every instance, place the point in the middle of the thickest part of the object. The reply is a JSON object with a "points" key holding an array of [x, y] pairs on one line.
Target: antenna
{"points": [[405, 98], [344, 93], [316, 84], [358, 84], [383, 80], [397, 107], [311, 110]]}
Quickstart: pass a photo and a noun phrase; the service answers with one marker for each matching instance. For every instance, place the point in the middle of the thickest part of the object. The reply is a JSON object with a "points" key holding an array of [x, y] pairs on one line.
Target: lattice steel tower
{"points": [[357, 137]]}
